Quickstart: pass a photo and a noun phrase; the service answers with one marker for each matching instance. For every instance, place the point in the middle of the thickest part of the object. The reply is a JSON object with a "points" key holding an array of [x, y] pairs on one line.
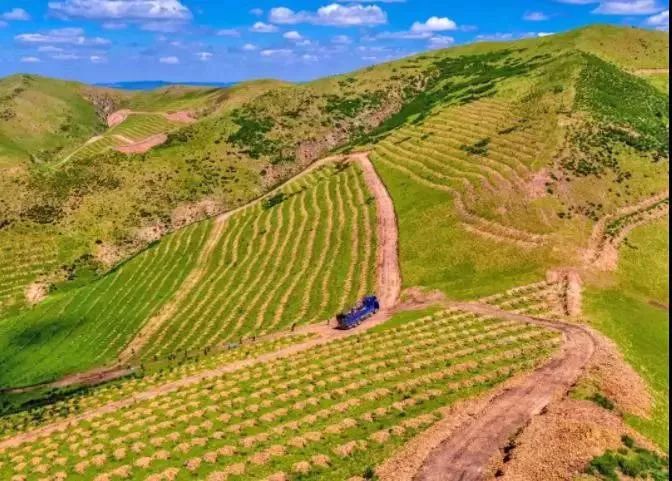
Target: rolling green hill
{"points": [[500, 158]]}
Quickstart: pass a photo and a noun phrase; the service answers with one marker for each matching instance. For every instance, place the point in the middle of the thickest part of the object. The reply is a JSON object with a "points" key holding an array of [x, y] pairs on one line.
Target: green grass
{"points": [[376, 390], [627, 314], [436, 251], [83, 327], [296, 261]]}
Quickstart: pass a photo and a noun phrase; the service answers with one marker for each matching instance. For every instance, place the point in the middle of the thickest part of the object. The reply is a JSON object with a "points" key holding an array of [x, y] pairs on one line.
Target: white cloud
{"points": [[293, 35], [661, 21], [204, 56], [30, 60], [545, 34], [341, 39], [97, 59], [65, 56], [261, 27], [628, 7], [228, 32], [114, 25], [169, 60], [434, 24], [334, 15], [441, 41], [535, 16], [126, 10], [16, 14], [309, 57], [248, 47], [275, 52], [70, 36], [49, 49]]}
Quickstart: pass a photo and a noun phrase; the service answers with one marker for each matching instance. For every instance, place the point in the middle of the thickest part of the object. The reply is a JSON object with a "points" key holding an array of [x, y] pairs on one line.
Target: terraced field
{"points": [[493, 157], [329, 411], [83, 327], [298, 261], [544, 299], [20, 265], [137, 127]]}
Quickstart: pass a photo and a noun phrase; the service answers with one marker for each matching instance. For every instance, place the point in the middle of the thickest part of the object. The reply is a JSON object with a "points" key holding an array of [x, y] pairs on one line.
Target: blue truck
{"points": [[354, 317]]}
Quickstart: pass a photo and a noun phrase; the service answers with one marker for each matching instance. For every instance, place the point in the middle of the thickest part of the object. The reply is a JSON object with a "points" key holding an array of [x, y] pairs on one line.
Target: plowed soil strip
{"points": [[464, 455]]}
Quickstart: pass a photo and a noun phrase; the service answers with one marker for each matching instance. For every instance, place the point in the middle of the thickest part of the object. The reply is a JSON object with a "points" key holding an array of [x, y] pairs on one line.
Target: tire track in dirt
{"points": [[464, 455]]}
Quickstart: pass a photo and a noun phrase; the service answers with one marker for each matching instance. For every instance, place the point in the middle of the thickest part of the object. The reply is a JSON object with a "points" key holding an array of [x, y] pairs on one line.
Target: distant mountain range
{"points": [[155, 84]]}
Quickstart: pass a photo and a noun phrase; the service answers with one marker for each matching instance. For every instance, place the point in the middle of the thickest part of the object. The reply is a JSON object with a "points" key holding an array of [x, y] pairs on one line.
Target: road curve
{"points": [[465, 454]]}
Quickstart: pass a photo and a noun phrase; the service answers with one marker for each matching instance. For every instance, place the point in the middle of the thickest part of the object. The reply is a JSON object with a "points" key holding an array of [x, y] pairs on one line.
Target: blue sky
{"points": [[225, 40]]}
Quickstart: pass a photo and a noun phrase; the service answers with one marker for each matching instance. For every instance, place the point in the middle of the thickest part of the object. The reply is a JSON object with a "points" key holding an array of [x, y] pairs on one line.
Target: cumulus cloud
{"points": [[204, 56], [249, 47], [334, 15], [69, 36], [65, 56], [293, 35], [535, 16], [434, 24], [30, 60], [261, 27], [661, 21], [16, 14], [172, 60], [275, 52], [628, 7], [120, 9]]}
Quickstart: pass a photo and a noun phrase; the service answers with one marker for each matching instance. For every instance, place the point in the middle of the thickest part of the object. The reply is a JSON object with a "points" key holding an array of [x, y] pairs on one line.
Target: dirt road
{"points": [[388, 277], [465, 454], [388, 273]]}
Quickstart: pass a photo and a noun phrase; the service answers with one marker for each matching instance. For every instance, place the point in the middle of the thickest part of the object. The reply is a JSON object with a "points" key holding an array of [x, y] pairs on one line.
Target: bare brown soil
{"points": [[182, 117], [143, 145], [557, 445], [115, 118], [36, 292], [465, 454]]}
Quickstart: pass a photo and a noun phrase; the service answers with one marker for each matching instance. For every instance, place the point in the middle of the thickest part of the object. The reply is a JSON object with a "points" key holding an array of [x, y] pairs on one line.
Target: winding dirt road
{"points": [[465, 454]]}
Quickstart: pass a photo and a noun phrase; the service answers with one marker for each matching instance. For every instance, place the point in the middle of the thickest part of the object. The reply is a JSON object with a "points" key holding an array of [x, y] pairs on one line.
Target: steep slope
{"points": [[39, 117]]}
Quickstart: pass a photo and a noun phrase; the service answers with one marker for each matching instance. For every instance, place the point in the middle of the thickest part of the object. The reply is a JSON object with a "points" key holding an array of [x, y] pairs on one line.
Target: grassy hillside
{"points": [[39, 117], [264, 270], [500, 158], [632, 307]]}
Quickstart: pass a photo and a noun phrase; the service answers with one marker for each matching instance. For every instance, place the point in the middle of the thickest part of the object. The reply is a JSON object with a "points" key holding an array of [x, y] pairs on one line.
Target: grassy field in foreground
{"points": [[331, 412], [632, 313]]}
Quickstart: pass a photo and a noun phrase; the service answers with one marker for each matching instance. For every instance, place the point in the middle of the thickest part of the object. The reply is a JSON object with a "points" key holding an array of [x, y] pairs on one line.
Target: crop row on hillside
{"points": [[330, 411], [296, 258], [83, 327]]}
